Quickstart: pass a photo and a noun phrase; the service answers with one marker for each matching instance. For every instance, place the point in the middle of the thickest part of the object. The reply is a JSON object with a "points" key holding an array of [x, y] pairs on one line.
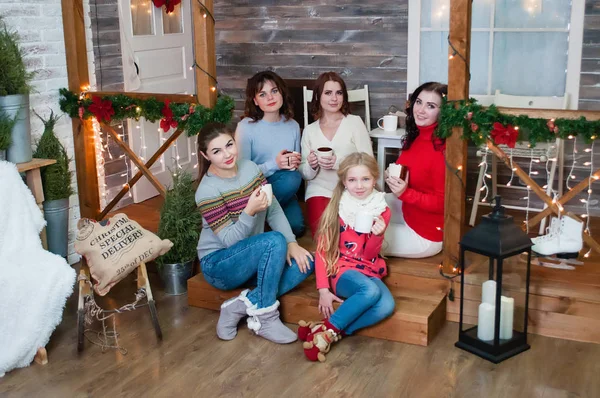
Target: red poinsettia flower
{"points": [[170, 4], [101, 109], [167, 122], [505, 134]]}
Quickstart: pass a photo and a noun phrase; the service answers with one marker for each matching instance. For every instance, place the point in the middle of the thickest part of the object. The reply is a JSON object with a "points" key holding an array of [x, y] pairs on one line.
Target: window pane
{"points": [[480, 47], [533, 13], [530, 63], [433, 65], [141, 17], [435, 14], [434, 59], [172, 21]]}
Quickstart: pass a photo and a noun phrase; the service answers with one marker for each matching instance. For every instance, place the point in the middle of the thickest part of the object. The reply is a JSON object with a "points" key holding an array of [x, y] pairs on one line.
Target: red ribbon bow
{"points": [[167, 122], [170, 4], [505, 135], [101, 109]]}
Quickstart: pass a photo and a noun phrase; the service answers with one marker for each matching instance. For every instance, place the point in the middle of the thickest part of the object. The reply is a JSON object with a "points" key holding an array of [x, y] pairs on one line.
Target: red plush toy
{"points": [[319, 339]]}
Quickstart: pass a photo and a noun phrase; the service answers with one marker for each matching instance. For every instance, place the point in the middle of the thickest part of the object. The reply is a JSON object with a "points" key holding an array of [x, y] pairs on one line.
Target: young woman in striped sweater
{"points": [[234, 249]]}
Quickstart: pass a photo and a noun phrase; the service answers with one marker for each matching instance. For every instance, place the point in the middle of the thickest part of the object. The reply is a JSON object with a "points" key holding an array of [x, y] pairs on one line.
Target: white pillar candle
{"points": [[485, 322], [507, 308], [488, 292]]}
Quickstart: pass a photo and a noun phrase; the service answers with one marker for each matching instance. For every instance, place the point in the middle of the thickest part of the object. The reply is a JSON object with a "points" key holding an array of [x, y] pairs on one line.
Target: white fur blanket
{"points": [[34, 283]]}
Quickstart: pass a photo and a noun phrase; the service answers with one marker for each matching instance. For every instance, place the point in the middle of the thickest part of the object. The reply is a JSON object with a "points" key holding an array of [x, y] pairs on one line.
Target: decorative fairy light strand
{"points": [[528, 197], [589, 192], [512, 168], [571, 176], [484, 163]]}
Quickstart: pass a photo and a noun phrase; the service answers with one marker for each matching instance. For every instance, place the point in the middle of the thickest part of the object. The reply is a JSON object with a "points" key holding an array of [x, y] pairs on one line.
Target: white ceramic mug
{"points": [[363, 222], [324, 151], [398, 170], [268, 190], [390, 123]]}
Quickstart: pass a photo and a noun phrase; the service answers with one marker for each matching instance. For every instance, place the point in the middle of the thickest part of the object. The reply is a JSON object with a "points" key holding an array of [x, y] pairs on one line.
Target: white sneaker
{"points": [[568, 241]]}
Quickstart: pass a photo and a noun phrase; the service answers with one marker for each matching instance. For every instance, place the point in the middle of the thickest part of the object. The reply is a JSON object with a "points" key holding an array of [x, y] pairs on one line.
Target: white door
{"points": [[157, 53]]}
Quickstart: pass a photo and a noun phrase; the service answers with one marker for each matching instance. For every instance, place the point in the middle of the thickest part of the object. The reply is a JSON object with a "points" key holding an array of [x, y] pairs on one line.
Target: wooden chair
{"points": [[358, 95], [553, 151]]}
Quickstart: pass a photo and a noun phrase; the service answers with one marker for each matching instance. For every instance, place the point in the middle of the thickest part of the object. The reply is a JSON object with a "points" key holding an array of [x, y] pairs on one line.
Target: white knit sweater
{"points": [[351, 136]]}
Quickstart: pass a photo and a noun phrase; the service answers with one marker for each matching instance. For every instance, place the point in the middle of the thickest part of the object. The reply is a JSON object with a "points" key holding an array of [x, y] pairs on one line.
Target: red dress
{"points": [[358, 251]]}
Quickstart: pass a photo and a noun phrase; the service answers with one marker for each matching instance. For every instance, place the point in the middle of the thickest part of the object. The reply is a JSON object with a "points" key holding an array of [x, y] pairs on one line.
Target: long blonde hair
{"points": [[328, 233]]}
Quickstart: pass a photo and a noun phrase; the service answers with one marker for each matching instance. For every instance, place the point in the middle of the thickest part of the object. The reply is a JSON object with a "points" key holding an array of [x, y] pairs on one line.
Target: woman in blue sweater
{"points": [[270, 137]]}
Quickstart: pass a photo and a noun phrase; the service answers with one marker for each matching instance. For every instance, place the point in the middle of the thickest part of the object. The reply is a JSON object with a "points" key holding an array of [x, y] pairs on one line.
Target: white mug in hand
{"points": [[324, 151], [268, 190], [363, 222], [398, 170], [390, 123]]}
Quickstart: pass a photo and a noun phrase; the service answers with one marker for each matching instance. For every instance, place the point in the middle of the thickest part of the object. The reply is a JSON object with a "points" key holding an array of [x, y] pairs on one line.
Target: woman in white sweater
{"points": [[336, 129]]}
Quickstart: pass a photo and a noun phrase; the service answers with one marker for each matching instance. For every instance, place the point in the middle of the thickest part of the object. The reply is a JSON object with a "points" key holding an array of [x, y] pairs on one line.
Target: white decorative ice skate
{"points": [[562, 243]]}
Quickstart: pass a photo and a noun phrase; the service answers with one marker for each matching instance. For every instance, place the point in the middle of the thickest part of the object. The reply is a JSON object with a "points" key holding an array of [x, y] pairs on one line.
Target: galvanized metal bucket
{"points": [[56, 213], [20, 149], [175, 276]]}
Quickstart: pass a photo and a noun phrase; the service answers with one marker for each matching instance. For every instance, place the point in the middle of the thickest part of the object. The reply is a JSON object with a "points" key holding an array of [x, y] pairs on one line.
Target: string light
{"points": [[528, 197], [589, 191], [100, 172], [214, 79], [571, 176]]}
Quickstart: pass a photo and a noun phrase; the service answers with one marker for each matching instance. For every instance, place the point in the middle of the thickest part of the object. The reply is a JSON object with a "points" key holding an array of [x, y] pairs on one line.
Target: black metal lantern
{"points": [[493, 337]]}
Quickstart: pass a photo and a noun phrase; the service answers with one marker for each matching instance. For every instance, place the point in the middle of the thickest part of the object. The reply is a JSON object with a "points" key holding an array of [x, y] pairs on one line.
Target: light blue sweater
{"points": [[261, 141]]}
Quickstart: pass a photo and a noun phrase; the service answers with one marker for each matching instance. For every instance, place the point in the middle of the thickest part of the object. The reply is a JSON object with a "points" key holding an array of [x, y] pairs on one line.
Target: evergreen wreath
{"points": [[190, 117], [481, 123]]}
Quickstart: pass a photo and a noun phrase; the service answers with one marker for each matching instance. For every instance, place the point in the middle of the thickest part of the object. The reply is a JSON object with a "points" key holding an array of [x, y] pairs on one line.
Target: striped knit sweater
{"points": [[222, 201]]}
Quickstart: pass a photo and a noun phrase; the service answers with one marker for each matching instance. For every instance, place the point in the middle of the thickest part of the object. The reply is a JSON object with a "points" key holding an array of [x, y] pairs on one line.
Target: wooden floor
{"points": [[192, 362], [563, 303]]}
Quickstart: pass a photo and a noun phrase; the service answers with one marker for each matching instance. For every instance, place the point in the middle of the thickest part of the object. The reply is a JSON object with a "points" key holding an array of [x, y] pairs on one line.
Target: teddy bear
{"points": [[318, 338]]}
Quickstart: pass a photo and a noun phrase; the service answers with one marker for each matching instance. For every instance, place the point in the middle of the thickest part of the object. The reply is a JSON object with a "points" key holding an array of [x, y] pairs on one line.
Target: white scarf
{"points": [[374, 204]]}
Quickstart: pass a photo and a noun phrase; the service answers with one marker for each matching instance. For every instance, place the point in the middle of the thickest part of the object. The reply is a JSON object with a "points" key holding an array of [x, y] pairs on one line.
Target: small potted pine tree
{"points": [[180, 222], [56, 180], [6, 125], [14, 94]]}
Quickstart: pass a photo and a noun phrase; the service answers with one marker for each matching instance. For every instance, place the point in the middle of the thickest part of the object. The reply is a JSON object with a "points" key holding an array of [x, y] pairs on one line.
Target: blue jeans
{"points": [[368, 301], [260, 258], [285, 185]]}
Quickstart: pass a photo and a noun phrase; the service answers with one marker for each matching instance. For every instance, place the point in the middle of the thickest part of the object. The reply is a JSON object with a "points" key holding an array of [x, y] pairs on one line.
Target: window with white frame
{"points": [[520, 47]]}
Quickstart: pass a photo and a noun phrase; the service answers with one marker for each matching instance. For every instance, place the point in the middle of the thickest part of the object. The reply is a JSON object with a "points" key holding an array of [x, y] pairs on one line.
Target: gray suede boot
{"points": [[265, 322], [232, 312]]}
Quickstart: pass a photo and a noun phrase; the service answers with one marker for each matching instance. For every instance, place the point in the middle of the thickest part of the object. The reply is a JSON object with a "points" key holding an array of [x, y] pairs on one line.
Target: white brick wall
{"points": [[39, 23]]}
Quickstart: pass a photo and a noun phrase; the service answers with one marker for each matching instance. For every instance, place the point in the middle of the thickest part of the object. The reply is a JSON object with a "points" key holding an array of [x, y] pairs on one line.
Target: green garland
{"points": [[478, 123], [191, 117]]}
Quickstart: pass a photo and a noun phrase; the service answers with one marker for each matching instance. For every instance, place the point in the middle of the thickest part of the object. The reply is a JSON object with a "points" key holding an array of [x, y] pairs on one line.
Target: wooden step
{"points": [[416, 320]]}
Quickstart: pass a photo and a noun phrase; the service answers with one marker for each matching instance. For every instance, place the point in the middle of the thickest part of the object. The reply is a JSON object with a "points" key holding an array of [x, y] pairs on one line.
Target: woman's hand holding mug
{"points": [[397, 185], [257, 202], [313, 161]]}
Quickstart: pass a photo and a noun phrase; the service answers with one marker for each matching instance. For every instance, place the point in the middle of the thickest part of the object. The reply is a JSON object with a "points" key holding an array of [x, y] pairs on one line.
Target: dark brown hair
{"points": [[255, 84], [315, 105], [412, 131], [209, 132]]}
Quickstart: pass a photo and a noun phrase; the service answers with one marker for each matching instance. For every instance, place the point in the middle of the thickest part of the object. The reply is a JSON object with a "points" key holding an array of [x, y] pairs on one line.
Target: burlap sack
{"points": [[115, 247]]}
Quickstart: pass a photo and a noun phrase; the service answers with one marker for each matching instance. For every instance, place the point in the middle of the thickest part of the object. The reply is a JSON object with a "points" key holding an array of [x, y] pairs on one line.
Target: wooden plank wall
{"points": [[364, 41], [106, 40]]}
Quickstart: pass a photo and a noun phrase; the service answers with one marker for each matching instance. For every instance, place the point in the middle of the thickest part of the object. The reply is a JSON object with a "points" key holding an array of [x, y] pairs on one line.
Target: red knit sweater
{"points": [[358, 251], [423, 200]]}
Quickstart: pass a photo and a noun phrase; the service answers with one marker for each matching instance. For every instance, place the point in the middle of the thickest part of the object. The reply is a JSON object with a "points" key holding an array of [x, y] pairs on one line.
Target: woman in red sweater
{"points": [[417, 204]]}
